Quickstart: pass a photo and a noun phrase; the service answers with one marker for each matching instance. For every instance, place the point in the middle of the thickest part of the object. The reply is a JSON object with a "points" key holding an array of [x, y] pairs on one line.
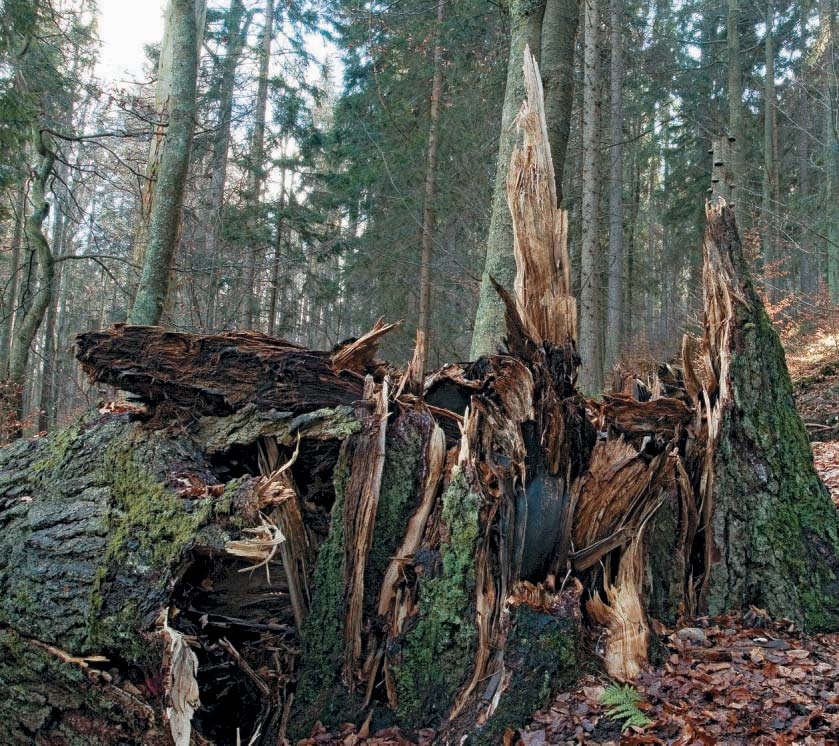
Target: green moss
{"points": [[149, 529], [38, 685], [399, 485], [58, 446], [542, 653], [319, 696], [436, 654]]}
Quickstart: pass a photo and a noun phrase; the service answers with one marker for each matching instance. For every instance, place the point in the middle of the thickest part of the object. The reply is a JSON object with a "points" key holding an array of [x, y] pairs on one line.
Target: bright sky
{"points": [[125, 27]]}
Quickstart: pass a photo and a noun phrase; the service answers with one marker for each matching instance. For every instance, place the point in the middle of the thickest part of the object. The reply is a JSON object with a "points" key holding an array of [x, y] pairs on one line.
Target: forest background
{"points": [[340, 160]]}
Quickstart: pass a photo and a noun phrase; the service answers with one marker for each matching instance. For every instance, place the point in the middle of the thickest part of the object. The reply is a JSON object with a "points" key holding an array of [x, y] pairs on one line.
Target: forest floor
{"points": [[743, 679]]}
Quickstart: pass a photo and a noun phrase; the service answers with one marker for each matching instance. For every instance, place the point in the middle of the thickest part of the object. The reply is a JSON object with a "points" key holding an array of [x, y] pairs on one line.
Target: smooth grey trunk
{"points": [[559, 42], [525, 30], [37, 285], [236, 34], [10, 298], [428, 214], [614, 308], [165, 218], [257, 165], [591, 372], [46, 404], [162, 103]]}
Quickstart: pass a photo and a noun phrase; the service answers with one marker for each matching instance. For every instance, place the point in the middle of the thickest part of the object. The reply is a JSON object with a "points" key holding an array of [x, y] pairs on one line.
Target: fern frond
{"points": [[622, 705]]}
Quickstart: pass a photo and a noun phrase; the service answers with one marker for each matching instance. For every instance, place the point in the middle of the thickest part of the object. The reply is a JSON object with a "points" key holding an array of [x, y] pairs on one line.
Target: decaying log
{"points": [[218, 374]]}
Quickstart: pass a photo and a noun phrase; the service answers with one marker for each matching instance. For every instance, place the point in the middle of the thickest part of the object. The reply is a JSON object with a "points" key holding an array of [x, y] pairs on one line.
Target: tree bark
{"points": [[168, 192], [614, 304], [590, 286], [428, 212], [257, 165]]}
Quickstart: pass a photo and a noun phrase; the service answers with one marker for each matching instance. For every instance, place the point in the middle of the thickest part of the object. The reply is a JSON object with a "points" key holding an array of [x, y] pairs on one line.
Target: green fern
{"points": [[622, 705]]}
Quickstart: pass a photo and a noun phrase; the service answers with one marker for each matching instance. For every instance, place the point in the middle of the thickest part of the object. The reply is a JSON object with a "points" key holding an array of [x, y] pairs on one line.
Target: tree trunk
{"points": [[163, 102], [428, 213], [36, 287], [525, 31], [614, 304], [771, 207], [735, 104], [10, 298], [235, 31], [168, 193], [827, 16], [257, 165], [558, 44], [412, 530], [590, 286], [279, 241], [46, 404]]}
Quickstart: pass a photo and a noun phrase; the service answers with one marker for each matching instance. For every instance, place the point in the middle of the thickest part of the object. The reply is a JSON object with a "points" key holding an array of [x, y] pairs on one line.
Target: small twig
{"points": [[245, 667]]}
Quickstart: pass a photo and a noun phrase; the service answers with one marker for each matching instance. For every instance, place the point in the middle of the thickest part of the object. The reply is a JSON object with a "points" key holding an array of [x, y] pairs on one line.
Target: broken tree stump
{"points": [[771, 530]]}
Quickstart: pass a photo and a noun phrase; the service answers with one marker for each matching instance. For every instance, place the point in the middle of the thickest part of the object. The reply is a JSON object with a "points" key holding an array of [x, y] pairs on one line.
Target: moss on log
{"points": [[94, 524]]}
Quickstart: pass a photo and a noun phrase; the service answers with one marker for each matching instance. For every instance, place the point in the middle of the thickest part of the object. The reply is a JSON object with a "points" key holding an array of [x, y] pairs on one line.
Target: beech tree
{"points": [[184, 19]]}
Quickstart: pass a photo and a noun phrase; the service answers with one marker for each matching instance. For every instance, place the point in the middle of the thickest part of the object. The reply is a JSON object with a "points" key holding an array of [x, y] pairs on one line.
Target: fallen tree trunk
{"points": [[326, 538]]}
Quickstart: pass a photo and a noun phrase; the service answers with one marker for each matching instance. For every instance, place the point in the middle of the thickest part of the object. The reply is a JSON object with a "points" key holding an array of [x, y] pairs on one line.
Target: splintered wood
{"points": [[361, 501], [540, 228]]}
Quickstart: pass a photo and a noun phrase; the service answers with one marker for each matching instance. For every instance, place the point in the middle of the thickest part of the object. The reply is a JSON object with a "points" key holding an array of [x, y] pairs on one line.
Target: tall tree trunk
{"points": [[11, 297], [559, 41], [164, 90], [236, 33], [771, 193], [165, 217], [830, 69], [549, 28], [591, 373], [525, 30], [37, 284], [735, 106], [257, 164], [614, 310], [428, 214], [46, 404], [279, 241]]}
